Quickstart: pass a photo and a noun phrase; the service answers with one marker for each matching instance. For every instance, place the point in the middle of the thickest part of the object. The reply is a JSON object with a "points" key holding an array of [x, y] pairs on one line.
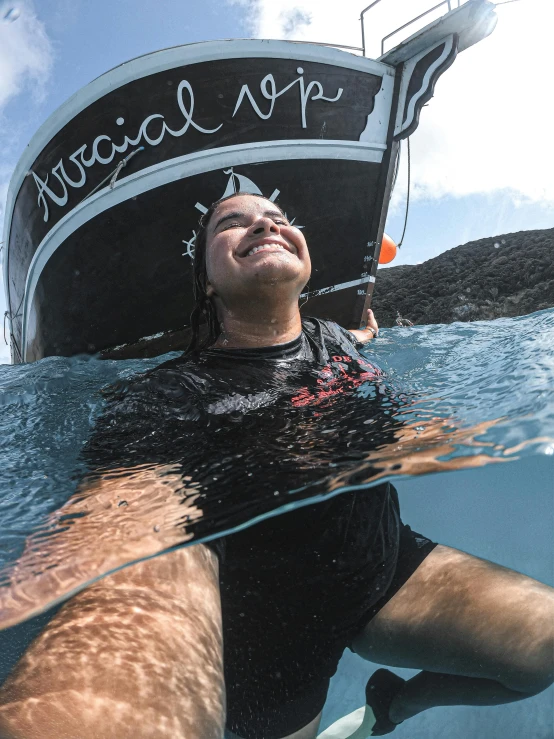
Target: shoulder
{"points": [[331, 331], [175, 379]]}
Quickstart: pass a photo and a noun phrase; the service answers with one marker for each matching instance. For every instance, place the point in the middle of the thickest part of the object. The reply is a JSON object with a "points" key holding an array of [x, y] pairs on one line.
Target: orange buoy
{"points": [[388, 250]]}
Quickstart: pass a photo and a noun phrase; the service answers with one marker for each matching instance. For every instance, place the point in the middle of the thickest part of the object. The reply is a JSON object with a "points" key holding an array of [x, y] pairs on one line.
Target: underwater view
{"points": [[277, 370], [473, 402]]}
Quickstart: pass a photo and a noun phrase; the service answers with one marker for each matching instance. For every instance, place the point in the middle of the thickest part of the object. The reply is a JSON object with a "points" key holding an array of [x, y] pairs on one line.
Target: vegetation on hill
{"points": [[509, 275]]}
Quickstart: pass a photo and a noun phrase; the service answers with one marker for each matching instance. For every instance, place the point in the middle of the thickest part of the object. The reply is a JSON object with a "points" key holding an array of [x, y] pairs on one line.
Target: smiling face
{"points": [[252, 251]]}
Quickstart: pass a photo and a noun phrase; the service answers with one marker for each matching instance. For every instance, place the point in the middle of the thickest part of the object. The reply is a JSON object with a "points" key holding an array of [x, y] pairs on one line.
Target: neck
{"points": [[253, 328]]}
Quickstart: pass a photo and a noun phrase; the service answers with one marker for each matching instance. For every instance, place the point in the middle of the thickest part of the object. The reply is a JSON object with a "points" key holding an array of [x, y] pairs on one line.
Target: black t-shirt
{"points": [[257, 429]]}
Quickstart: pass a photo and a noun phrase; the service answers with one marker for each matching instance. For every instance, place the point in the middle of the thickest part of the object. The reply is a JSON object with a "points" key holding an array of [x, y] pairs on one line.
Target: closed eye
{"points": [[239, 225]]}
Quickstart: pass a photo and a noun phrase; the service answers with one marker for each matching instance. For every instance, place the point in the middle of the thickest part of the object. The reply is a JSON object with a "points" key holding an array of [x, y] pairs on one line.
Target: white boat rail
{"points": [[451, 5]]}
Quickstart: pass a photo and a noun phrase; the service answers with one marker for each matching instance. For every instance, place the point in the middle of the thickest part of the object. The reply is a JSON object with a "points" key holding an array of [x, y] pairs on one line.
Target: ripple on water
{"points": [[464, 395]]}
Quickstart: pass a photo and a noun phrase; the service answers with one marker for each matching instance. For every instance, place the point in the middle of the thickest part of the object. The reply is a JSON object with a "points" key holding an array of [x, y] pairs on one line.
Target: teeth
{"points": [[264, 246]]}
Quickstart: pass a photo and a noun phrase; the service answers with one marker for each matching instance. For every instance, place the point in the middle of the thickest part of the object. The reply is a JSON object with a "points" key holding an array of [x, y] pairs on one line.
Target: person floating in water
{"points": [[245, 631], [402, 321]]}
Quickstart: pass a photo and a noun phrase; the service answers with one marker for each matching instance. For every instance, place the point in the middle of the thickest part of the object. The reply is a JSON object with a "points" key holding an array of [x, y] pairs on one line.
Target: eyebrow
{"points": [[237, 214]]}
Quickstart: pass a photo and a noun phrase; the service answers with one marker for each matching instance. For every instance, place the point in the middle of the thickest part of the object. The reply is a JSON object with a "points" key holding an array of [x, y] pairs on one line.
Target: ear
{"points": [[210, 290]]}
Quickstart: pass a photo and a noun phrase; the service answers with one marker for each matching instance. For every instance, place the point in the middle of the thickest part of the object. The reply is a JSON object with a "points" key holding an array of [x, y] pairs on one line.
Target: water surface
{"points": [[451, 397]]}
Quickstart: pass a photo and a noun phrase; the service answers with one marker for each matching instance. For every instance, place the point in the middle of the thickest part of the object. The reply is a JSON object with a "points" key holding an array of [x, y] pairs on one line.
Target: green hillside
{"points": [[508, 275]]}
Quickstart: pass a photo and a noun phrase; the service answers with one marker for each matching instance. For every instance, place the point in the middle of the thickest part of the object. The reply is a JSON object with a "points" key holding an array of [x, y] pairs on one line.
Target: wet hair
{"points": [[204, 307]]}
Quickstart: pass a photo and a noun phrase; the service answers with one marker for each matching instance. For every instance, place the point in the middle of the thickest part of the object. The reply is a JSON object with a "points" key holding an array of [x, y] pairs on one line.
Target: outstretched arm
{"points": [[137, 653], [112, 519], [370, 331]]}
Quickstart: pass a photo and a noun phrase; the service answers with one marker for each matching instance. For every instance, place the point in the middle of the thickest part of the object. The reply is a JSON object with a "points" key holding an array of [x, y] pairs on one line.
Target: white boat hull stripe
{"points": [[340, 286]]}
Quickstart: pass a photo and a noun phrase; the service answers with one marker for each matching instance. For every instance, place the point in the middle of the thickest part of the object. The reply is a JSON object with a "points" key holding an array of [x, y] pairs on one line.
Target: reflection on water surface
{"points": [[449, 397]]}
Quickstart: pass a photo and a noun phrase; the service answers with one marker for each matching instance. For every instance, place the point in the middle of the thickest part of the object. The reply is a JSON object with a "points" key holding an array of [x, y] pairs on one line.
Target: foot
{"points": [[381, 689]]}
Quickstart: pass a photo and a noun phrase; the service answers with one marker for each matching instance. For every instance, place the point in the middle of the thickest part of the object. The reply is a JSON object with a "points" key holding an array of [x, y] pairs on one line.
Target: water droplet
{"points": [[121, 502], [12, 15], [156, 527]]}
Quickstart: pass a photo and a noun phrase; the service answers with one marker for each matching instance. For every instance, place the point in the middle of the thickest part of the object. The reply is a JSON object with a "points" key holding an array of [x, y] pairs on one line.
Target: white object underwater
{"points": [[356, 725]]}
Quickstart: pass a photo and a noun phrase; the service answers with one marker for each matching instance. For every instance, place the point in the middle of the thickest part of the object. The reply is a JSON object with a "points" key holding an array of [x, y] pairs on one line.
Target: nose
{"points": [[264, 225]]}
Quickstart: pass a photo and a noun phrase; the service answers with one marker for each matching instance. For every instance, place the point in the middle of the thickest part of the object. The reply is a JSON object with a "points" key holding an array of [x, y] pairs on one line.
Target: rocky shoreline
{"points": [[502, 276]]}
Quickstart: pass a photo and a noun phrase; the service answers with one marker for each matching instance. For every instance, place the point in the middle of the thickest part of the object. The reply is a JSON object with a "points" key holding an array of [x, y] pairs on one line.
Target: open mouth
{"points": [[269, 246], [265, 247]]}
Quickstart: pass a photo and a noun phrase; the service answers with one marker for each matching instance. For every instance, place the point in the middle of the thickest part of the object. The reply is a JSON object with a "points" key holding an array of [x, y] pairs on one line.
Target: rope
{"points": [[407, 197], [396, 168], [112, 177], [9, 315], [116, 173]]}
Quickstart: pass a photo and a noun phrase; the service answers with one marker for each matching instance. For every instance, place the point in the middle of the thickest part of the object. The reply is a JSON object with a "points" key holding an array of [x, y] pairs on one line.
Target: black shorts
{"points": [[279, 658]]}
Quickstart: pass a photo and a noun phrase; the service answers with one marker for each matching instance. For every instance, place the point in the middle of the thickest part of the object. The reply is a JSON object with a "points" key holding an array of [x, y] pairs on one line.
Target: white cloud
{"points": [[25, 52], [25, 65], [488, 127], [294, 20]]}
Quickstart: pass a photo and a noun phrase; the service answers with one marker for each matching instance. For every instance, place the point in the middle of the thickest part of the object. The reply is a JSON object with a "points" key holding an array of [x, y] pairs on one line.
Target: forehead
{"points": [[243, 204]]}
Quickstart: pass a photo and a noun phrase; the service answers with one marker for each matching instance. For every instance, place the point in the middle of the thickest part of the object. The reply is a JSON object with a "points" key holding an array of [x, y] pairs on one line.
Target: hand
{"points": [[371, 322], [370, 331]]}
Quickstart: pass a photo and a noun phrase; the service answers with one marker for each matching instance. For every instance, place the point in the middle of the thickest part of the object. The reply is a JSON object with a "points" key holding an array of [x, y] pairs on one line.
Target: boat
{"points": [[103, 206]]}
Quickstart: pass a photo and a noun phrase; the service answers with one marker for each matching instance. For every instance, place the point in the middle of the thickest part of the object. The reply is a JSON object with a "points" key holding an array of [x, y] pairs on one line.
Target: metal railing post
{"points": [[409, 23], [364, 11], [448, 3]]}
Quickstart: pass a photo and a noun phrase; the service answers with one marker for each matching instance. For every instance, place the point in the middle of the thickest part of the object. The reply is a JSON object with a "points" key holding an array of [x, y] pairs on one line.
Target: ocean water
{"points": [[474, 466]]}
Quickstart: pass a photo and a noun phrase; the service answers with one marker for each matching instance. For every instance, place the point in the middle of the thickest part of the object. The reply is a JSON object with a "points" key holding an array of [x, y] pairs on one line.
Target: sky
{"points": [[481, 160]]}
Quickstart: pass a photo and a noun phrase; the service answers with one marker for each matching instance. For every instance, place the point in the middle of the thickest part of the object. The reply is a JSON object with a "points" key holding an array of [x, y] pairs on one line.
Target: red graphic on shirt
{"points": [[342, 376]]}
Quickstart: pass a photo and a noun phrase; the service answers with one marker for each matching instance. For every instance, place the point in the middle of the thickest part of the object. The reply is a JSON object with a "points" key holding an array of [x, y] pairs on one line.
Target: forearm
{"points": [[111, 521], [363, 335], [137, 654]]}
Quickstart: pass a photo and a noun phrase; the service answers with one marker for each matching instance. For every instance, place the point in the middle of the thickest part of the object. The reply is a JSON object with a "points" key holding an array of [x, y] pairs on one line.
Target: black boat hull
{"points": [[103, 207]]}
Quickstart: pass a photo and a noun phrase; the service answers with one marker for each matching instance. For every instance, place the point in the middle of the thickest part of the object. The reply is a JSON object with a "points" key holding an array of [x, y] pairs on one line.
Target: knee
{"points": [[534, 671]]}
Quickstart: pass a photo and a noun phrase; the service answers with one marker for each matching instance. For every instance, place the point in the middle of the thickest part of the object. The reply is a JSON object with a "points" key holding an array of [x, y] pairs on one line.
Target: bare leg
{"points": [[482, 634], [307, 732], [136, 655]]}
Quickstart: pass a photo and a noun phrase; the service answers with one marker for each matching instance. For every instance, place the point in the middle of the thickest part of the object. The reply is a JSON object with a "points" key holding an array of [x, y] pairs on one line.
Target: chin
{"points": [[273, 273]]}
